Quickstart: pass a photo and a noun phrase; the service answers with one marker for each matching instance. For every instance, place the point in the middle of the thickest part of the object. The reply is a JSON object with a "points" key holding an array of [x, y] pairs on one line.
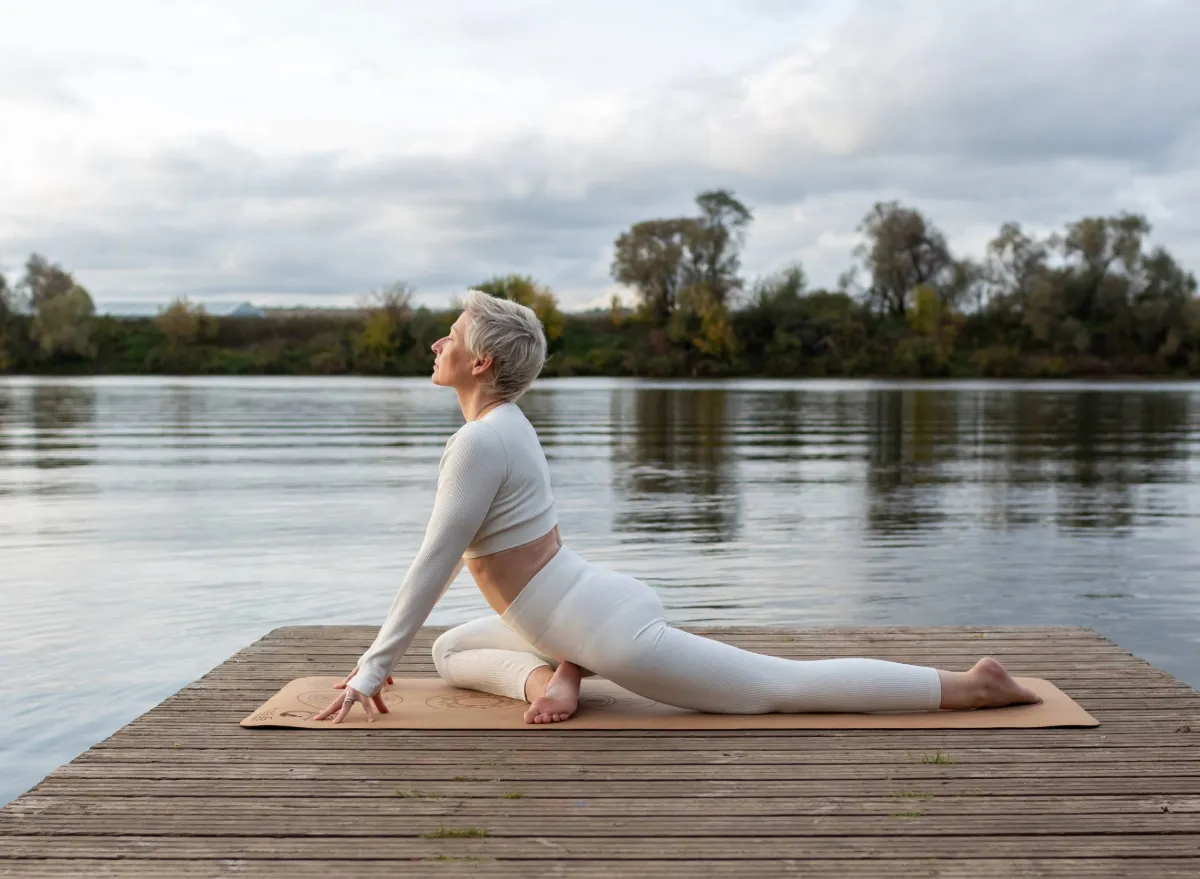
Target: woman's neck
{"points": [[475, 403]]}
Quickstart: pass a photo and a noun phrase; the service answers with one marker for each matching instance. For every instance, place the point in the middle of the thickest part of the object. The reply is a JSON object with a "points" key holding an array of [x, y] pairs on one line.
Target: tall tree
{"points": [[1160, 306], [1103, 255], [690, 262], [6, 300], [44, 281], [1014, 261], [902, 251], [63, 310], [7, 309], [650, 259], [715, 243]]}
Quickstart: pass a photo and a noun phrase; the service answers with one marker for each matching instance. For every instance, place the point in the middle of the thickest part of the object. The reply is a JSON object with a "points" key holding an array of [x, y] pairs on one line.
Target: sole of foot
{"points": [[995, 687], [553, 707]]}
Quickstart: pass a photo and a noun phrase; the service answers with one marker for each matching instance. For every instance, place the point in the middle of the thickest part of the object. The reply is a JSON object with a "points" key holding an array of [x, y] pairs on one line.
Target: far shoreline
{"points": [[881, 378]]}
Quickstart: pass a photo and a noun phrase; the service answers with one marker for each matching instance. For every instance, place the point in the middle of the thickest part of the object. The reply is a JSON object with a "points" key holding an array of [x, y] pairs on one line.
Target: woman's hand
{"points": [[343, 702]]}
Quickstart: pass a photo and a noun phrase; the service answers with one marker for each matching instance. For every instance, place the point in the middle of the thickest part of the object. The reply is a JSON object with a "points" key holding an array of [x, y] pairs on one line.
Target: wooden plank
{"points": [[624, 848], [1114, 726], [1186, 766], [1080, 759], [300, 787], [571, 747], [905, 819], [424, 802], [491, 868]]}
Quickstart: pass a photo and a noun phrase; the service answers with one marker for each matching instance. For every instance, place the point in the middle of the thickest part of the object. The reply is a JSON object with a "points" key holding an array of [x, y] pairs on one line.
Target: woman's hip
{"points": [[571, 606]]}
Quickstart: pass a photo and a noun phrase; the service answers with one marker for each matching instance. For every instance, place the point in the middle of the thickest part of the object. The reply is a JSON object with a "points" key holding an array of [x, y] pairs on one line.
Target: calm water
{"points": [[151, 527]]}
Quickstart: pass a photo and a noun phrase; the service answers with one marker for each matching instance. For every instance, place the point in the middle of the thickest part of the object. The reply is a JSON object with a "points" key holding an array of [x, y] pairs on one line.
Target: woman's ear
{"points": [[481, 365]]}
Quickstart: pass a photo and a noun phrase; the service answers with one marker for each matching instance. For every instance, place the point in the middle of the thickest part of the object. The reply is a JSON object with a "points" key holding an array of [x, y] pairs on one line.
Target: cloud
{"points": [[976, 113], [36, 84]]}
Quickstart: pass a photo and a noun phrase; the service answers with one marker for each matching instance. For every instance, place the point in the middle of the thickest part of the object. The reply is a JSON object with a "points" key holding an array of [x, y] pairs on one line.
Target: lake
{"points": [[150, 527]]}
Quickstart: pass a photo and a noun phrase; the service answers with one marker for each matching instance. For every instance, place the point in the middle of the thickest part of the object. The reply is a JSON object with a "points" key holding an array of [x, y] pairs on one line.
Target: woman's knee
{"points": [[446, 645], [488, 632]]}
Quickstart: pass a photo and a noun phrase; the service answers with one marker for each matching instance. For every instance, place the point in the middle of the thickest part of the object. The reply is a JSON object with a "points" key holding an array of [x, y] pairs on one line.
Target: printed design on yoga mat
{"points": [[596, 700], [622, 701], [320, 699], [476, 701]]}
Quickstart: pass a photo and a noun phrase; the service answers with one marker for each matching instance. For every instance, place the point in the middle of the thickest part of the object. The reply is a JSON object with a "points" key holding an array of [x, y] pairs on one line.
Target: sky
{"points": [[307, 153]]}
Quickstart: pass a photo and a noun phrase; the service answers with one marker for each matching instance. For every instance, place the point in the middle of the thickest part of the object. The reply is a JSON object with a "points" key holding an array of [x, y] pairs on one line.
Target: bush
{"points": [[998, 361]]}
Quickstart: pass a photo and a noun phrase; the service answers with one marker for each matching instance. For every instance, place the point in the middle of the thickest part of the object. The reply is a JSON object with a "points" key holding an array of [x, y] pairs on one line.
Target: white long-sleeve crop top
{"points": [[493, 493]]}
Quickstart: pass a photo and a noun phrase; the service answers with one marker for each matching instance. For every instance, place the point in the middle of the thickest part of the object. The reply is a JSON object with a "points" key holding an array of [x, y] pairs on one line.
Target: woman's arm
{"points": [[472, 468]]}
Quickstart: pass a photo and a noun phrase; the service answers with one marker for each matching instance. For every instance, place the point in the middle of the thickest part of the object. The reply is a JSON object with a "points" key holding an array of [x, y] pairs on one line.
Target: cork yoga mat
{"points": [[430, 703]]}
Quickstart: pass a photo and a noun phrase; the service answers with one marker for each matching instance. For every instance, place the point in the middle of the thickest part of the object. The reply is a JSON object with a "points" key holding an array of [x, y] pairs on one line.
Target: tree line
{"points": [[1093, 299]]}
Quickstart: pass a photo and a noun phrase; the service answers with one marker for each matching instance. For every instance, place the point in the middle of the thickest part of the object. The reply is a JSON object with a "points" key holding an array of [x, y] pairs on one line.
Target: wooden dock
{"points": [[184, 791]]}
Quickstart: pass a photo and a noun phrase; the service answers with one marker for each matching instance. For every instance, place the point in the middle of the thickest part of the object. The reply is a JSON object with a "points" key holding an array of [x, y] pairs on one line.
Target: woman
{"points": [[558, 617]]}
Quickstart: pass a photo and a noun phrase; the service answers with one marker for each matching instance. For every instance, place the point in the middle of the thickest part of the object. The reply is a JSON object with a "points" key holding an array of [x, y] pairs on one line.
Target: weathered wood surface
{"points": [[184, 791]]}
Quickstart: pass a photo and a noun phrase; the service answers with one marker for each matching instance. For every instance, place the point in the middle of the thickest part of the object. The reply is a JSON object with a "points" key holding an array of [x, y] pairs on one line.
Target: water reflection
{"points": [[60, 416], [1075, 461], [910, 435], [8, 406], [674, 469]]}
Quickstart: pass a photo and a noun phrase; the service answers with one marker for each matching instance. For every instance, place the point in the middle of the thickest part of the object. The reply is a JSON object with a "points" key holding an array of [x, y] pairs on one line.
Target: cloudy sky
{"points": [[305, 152]]}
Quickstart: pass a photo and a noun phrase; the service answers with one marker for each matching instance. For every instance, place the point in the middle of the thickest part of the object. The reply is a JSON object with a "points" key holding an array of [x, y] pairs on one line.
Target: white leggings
{"points": [[613, 626]]}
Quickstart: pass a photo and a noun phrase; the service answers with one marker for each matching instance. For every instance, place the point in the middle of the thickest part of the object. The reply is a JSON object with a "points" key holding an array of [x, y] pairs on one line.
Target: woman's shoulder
{"points": [[475, 438], [475, 433]]}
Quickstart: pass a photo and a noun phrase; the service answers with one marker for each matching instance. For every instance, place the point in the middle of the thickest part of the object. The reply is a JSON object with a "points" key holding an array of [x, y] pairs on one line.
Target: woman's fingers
{"points": [[345, 710], [333, 706], [342, 707]]}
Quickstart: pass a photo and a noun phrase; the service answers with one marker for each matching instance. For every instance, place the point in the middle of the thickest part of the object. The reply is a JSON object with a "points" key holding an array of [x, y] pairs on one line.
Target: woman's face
{"points": [[452, 365]]}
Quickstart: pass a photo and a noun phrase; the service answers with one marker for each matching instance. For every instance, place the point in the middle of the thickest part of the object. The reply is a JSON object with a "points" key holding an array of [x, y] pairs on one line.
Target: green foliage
{"points": [[685, 273], [182, 323], [183, 328], [650, 259], [688, 263], [902, 251], [1095, 300], [385, 333], [62, 311], [11, 331]]}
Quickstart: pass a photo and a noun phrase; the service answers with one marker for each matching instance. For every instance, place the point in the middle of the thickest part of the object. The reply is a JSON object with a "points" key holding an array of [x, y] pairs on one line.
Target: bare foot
{"points": [[987, 685], [558, 700]]}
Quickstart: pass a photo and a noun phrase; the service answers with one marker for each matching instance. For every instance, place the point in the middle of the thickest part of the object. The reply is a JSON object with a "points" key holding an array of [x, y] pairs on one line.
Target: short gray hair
{"points": [[509, 333]]}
